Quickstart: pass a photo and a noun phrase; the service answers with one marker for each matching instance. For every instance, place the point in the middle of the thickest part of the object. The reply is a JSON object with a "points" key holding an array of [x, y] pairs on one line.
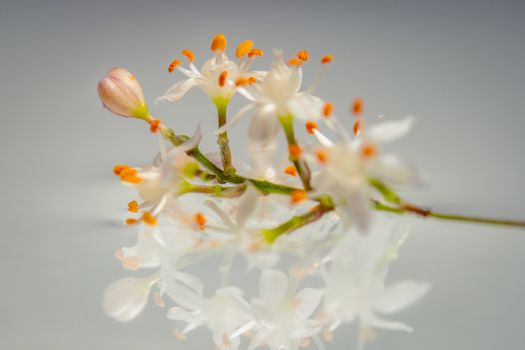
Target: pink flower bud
{"points": [[121, 93]]}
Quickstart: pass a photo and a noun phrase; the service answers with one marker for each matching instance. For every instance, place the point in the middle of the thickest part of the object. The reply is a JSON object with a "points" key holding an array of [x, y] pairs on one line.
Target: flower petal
{"points": [[401, 295], [273, 285], [305, 106], [378, 322], [264, 126], [310, 299], [390, 130], [247, 205], [177, 91]]}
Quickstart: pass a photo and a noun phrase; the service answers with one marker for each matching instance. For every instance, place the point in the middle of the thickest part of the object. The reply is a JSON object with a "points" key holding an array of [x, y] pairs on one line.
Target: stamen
{"points": [[245, 81], [290, 170], [174, 64], [357, 127], [118, 169], [311, 126], [304, 343], [321, 155], [303, 55], [357, 106], [189, 55], [328, 108], [154, 125], [295, 151], [179, 335], [131, 262], [255, 52], [327, 59], [368, 150], [243, 48], [218, 43], [295, 62], [157, 298], [130, 175], [298, 196], [328, 336], [133, 207], [119, 254], [200, 219], [222, 78], [149, 219]]}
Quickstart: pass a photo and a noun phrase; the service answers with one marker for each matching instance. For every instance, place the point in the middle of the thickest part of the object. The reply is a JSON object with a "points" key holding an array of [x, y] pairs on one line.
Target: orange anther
{"points": [[130, 175], [133, 206], [303, 55], [131, 221], [218, 43], [173, 65], [295, 151], [245, 81], [255, 52], [321, 155], [357, 127], [154, 125], [149, 219], [200, 219], [368, 150], [222, 78], [327, 59], [298, 196], [295, 62], [157, 298], [310, 126], [290, 170], [131, 262], [328, 108], [357, 106], [118, 169], [189, 55], [243, 48]]}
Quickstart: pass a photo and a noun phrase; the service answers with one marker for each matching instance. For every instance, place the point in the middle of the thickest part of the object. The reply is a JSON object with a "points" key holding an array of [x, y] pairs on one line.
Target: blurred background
{"points": [[457, 65]]}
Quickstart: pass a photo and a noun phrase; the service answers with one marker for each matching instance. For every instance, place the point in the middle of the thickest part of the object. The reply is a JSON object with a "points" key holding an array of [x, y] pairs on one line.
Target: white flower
{"points": [[126, 298], [349, 166], [158, 183], [223, 314], [282, 316], [276, 96], [355, 280], [219, 77]]}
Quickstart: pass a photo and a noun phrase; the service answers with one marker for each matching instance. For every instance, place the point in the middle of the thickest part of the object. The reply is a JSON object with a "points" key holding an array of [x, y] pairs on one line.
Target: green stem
{"points": [[296, 222], [411, 209], [222, 138], [214, 190], [300, 164], [267, 187]]}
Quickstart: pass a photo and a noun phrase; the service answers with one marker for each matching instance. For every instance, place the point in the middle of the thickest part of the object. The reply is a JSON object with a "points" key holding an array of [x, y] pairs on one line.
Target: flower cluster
{"points": [[313, 205]]}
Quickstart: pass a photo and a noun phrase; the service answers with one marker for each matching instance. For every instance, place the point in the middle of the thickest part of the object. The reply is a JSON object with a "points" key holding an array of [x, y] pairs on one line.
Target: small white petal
{"points": [[189, 280], [264, 126], [126, 298], [247, 205], [401, 295], [377, 322], [309, 301], [305, 106], [389, 130], [177, 91], [273, 285]]}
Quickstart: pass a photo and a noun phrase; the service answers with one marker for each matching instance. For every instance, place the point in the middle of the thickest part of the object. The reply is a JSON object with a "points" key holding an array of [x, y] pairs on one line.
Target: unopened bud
{"points": [[121, 93]]}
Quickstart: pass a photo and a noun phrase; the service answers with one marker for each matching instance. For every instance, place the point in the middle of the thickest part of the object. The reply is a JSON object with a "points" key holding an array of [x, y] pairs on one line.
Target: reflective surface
{"points": [[457, 66]]}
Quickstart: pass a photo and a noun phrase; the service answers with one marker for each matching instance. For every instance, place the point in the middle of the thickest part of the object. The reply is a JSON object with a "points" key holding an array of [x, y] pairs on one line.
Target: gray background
{"points": [[456, 65]]}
